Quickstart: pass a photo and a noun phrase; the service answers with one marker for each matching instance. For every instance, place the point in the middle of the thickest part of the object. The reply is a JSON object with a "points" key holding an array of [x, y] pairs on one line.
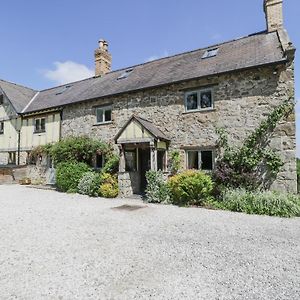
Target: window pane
{"points": [[193, 160], [107, 115], [99, 113], [192, 101], [161, 158], [43, 124], [37, 125], [207, 160], [206, 99], [130, 160], [99, 161]]}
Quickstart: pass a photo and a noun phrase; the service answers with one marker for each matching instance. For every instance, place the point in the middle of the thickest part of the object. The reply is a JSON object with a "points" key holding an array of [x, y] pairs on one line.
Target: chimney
{"points": [[102, 59], [274, 15]]}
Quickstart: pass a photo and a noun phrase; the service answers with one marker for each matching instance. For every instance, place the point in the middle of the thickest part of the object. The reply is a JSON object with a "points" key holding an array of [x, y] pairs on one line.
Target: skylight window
{"points": [[210, 53], [63, 89], [125, 74]]}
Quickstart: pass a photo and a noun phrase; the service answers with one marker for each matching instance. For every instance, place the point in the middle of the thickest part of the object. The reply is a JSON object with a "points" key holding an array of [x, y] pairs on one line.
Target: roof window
{"points": [[63, 89], [210, 53], [125, 74]]}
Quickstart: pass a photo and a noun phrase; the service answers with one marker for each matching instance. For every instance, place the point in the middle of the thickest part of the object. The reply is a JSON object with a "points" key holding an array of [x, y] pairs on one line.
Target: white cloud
{"points": [[155, 57], [68, 71]]}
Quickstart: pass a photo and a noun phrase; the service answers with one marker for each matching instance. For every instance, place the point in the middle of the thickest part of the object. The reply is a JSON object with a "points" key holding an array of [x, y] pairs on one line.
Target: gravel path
{"points": [[59, 246]]}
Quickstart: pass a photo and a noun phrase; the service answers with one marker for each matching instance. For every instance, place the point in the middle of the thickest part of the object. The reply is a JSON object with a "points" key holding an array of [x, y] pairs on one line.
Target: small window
{"points": [[11, 158], [192, 101], [210, 53], [161, 160], [199, 100], [1, 99], [99, 161], [1, 127], [40, 125], [103, 114], [200, 160], [130, 161], [125, 74]]}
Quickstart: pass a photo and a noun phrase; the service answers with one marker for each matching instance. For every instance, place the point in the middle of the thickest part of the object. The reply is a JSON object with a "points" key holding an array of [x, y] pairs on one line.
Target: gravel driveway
{"points": [[59, 246]]}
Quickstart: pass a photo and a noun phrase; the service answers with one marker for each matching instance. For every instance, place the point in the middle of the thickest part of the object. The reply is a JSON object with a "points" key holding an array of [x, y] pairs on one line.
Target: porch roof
{"points": [[155, 132]]}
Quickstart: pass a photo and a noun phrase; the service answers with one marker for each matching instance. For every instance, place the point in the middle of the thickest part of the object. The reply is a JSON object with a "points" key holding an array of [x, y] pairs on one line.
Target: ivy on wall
{"points": [[254, 164]]}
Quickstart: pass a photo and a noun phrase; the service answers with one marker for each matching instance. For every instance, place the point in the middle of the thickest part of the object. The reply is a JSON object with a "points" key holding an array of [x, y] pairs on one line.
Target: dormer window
{"points": [[1, 99], [125, 74], [210, 53], [199, 100]]}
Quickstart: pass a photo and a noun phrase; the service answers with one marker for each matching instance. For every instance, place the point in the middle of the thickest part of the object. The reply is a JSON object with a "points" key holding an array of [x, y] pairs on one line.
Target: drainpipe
{"points": [[19, 146]]}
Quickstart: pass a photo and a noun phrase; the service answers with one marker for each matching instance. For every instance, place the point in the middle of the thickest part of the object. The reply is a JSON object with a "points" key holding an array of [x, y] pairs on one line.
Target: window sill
{"points": [[39, 132], [103, 123], [199, 111]]}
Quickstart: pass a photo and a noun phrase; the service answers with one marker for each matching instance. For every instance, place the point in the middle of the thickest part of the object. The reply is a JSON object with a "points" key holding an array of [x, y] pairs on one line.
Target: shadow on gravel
{"points": [[127, 207]]}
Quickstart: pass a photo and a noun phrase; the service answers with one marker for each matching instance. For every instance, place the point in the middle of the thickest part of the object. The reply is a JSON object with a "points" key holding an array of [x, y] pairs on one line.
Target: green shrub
{"points": [[298, 175], [89, 184], [68, 175], [190, 188], [260, 202], [157, 190], [80, 149], [111, 166], [109, 186]]}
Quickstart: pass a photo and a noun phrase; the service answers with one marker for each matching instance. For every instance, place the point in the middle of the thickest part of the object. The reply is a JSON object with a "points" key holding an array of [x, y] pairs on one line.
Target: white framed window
{"points": [[39, 125], [1, 127], [200, 160], [199, 100], [103, 114]]}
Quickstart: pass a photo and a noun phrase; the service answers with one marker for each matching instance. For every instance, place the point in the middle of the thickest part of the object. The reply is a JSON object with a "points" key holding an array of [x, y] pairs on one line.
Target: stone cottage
{"points": [[177, 102]]}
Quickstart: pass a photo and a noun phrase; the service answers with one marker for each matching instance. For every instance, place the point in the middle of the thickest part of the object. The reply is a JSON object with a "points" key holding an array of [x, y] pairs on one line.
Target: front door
{"points": [[145, 165]]}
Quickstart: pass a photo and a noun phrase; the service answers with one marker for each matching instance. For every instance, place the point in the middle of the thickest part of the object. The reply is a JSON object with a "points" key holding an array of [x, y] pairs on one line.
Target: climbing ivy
{"points": [[174, 162], [254, 164]]}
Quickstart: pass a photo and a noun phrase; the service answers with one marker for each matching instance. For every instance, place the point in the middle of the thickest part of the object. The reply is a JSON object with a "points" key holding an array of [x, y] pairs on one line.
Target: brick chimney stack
{"points": [[102, 59], [274, 14]]}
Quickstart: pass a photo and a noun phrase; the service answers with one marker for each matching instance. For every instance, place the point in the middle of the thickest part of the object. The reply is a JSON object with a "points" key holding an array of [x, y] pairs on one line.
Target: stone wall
{"points": [[242, 99], [41, 172]]}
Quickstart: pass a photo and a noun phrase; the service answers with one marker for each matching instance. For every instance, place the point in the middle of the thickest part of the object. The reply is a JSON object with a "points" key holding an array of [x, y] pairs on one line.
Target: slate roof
{"points": [[251, 51], [18, 95]]}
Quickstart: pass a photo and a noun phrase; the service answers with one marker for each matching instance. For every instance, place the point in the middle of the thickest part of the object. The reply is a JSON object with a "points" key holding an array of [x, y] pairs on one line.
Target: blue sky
{"points": [[44, 43]]}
